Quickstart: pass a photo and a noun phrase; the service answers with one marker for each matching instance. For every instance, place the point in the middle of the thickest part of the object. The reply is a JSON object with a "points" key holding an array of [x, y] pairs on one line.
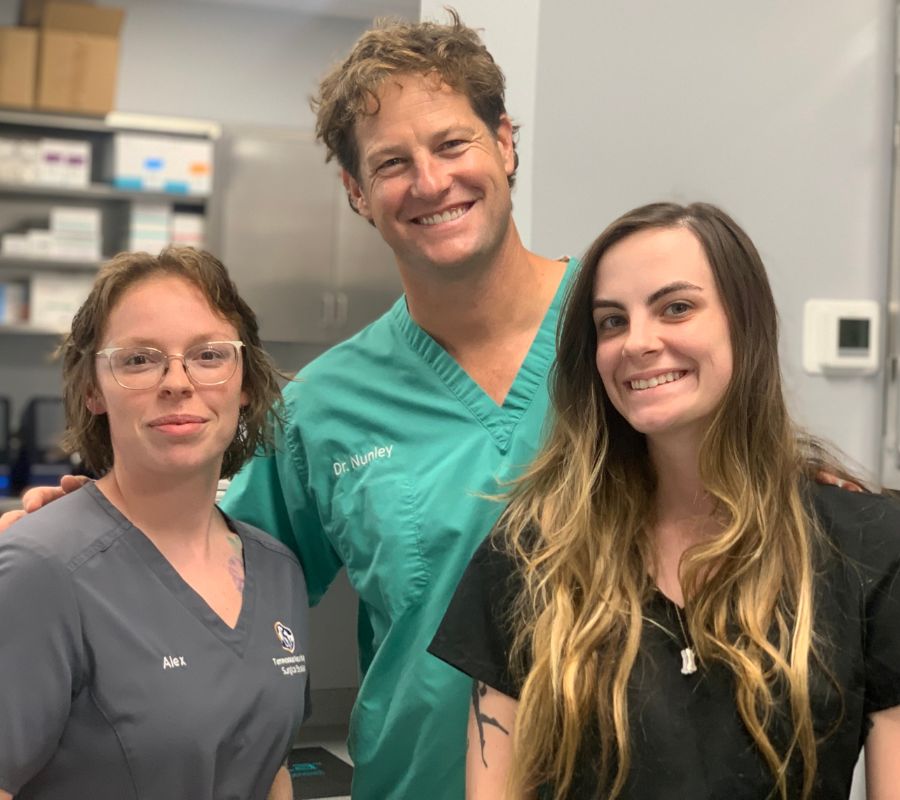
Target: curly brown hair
{"points": [[88, 433], [453, 53]]}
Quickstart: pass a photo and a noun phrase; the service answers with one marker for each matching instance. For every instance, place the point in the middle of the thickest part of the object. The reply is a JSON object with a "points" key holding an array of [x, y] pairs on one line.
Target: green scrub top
{"points": [[386, 454]]}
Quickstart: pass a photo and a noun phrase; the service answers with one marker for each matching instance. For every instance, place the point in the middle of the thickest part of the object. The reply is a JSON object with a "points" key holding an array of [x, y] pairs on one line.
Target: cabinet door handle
{"points": [[341, 305], [328, 307]]}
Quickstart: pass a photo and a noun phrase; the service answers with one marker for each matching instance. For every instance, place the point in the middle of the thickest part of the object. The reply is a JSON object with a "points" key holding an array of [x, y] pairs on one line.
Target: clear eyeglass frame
{"points": [[184, 357]]}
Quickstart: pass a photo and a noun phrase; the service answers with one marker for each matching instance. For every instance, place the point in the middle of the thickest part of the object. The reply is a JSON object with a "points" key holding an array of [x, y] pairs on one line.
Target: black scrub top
{"points": [[687, 737]]}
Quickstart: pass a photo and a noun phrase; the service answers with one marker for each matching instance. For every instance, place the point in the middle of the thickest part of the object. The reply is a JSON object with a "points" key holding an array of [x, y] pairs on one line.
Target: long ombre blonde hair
{"points": [[579, 520]]}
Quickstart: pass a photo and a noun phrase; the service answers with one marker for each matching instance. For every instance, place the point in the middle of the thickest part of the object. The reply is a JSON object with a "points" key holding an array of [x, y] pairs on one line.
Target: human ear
{"points": [[95, 402], [505, 137], [355, 195]]}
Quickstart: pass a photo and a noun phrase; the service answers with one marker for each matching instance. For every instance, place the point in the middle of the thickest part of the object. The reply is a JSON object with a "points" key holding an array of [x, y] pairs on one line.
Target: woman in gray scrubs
{"points": [[149, 645]]}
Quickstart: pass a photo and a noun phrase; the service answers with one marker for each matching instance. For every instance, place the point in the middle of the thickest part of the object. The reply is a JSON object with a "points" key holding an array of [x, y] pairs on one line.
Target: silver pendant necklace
{"points": [[688, 656]]}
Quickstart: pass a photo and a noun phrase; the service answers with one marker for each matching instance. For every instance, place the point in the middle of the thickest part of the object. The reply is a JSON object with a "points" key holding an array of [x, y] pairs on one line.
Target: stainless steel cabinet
{"points": [[311, 269]]}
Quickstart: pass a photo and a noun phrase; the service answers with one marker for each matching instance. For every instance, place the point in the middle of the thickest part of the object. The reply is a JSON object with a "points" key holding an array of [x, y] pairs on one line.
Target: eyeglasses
{"points": [[206, 364]]}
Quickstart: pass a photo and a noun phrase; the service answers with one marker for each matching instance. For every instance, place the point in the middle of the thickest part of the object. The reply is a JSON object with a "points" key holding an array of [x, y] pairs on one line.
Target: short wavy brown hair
{"points": [[453, 53], [88, 433]]}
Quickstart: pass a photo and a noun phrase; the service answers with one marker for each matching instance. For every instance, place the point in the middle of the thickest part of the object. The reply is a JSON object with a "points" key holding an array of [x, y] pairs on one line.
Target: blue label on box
{"points": [[127, 182], [154, 163], [176, 187]]}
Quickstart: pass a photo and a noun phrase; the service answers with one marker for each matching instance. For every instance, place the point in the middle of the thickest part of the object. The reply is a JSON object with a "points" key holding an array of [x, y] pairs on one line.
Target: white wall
{"points": [[779, 112]]}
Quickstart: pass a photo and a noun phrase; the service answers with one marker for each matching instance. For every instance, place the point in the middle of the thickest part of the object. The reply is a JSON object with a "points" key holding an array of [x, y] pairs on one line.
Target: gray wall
{"points": [[226, 63], [780, 112]]}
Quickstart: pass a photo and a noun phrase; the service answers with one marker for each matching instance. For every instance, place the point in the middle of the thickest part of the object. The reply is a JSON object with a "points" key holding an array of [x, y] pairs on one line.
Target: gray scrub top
{"points": [[118, 681]]}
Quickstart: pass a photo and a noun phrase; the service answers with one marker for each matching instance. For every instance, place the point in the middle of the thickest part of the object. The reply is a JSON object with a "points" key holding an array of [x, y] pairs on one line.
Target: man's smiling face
{"points": [[433, 177]]}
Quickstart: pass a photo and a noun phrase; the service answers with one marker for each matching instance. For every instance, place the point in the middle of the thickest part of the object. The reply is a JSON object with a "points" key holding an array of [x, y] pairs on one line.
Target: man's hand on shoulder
{"points": [[827, 479], [39, 496]]}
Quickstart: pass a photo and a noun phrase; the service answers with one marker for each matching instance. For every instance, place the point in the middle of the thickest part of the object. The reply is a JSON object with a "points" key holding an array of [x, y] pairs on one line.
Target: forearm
{"points": [[492, 718], [281, 786], [882, 764]]}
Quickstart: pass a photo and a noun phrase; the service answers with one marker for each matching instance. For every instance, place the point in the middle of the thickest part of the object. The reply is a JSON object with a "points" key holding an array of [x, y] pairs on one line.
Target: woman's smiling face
{"points": [[663, 345], [177, 427]]}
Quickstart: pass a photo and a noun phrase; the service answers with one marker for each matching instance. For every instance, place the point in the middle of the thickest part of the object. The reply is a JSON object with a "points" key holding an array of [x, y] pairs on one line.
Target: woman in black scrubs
{"points": [[668, 606]]}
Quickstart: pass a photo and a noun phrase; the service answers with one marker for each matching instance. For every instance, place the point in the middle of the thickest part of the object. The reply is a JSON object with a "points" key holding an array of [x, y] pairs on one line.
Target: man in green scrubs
{"points": [[394, 436]]}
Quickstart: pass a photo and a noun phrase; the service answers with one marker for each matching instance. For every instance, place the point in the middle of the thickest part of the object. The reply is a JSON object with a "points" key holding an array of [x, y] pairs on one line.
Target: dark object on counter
{"points": [[40, 460], [5, 447], [317, 773]]}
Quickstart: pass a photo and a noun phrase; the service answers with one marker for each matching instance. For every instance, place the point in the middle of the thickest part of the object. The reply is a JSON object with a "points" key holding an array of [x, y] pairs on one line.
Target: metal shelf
{"points": [[114, 121], [101, 191], [26, 329], [26, 263]]}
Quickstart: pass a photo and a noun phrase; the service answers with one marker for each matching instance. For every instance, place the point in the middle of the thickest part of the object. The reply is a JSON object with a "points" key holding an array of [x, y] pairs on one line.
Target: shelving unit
{"points": [[100, 191], [28, 205], [25, 264]]}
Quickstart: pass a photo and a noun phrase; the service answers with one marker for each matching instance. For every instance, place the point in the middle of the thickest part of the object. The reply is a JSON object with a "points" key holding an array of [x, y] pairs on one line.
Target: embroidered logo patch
{"points": [[285, 636]]}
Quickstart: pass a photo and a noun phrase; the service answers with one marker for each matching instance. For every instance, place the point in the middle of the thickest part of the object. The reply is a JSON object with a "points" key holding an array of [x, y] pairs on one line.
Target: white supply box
{"points": [[9, 156], [172, 164], [188, 230], [19, 160], [15, 244], [149, 228], [192, 165], [76, 219], [40, 243], [76, 233], [13, 302], [54, 299], [139, 162], [63, 162]]}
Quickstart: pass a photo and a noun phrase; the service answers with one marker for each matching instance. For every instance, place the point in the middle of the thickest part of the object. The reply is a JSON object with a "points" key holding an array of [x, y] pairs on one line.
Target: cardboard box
{"points": [[18, 66], [78, 57], [32, 12]]}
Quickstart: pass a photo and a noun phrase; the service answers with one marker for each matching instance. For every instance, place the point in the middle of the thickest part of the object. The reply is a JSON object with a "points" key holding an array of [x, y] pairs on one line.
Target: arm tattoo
{"points": [[479, 690]]}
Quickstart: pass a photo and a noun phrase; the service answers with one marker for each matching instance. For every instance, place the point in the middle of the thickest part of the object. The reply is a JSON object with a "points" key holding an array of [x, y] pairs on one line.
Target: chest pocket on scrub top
{"points": [[378, 528]]}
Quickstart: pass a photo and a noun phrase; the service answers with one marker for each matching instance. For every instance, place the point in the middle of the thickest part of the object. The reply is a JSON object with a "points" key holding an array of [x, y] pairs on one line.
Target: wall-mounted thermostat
{"points": [[841, 337]]}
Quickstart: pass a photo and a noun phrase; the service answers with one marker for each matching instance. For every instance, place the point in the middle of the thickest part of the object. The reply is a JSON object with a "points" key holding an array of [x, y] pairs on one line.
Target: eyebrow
{"points": [[145, 341], [669, 288]]}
